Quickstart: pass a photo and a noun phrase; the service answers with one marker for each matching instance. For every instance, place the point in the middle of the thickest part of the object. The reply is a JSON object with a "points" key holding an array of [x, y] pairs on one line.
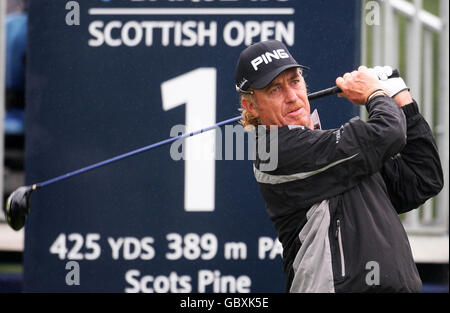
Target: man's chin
{"points": [[301, 122]]}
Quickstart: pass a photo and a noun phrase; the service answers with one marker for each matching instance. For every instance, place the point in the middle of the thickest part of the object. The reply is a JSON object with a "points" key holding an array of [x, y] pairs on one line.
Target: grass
{"points": [[10, 268]]}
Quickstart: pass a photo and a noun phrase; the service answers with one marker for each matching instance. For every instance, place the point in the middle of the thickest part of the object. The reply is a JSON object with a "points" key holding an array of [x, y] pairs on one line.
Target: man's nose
{"points": [[290, 95]]}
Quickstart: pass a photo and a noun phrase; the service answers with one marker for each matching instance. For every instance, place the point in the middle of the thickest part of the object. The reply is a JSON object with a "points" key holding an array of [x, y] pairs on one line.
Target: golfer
{"points": [[336, 194]]}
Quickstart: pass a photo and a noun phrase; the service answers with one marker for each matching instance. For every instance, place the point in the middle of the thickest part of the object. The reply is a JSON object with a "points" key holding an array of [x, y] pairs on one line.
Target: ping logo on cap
{"points": [[267, 57]]}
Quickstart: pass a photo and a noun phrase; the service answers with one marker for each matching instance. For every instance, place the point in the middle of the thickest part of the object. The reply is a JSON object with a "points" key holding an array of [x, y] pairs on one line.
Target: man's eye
{"points": [[273, 90]]}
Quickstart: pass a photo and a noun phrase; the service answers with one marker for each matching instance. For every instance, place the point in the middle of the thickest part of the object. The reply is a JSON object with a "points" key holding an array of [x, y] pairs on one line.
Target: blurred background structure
{"points": [[410, 35], [413, 37], [13, 38]]}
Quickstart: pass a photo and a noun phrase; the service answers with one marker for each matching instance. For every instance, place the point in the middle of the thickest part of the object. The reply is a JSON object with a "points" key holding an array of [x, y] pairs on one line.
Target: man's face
{"points": [[283, 102]]}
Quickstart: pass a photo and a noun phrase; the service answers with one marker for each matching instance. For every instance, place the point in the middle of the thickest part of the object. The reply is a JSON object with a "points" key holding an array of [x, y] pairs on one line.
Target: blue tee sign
{"points": [[108, 77]]}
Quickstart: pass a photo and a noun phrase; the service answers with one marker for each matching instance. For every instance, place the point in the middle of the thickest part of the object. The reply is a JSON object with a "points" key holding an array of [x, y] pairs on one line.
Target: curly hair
{"points": [[248, 121]]}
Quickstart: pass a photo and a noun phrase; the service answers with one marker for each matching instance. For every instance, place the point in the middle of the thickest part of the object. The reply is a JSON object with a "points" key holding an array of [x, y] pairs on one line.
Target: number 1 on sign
{"points": [[196, 89]]}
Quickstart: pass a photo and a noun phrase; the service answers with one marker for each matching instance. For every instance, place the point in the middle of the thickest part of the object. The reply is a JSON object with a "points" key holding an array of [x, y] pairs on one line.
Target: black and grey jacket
{"points": [[335, 197]]}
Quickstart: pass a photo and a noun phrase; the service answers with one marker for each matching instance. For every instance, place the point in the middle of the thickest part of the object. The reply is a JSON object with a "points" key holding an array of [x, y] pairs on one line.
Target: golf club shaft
{"points": [[134, 152]]}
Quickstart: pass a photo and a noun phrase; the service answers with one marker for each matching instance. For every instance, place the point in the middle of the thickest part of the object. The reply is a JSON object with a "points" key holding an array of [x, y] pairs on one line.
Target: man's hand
{"points": [[395, 87], [358, 85]]}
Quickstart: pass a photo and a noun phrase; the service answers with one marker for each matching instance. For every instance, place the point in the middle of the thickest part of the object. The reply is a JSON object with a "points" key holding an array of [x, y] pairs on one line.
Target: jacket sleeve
{"points": [[319, 164], [415, 174]]}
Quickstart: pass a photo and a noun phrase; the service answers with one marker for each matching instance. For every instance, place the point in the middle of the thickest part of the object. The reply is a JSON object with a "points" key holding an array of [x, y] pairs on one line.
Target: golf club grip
{"points": [[323, 93], [334, 90]]}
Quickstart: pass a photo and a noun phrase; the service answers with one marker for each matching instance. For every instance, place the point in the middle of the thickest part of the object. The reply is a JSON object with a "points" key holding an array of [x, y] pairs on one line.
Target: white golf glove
{"points": [[393, 85]]}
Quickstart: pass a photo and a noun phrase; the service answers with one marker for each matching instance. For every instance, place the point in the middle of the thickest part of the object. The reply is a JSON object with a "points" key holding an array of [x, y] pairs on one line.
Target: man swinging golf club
{"points": [[336, 194]]}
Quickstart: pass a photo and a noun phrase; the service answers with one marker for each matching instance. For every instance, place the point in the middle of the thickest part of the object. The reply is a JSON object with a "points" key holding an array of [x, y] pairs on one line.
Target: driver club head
{"points": [[18, 206]]}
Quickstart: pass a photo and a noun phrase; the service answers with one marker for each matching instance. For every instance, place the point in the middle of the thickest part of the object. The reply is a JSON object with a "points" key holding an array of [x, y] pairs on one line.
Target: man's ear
{"points": [[249, 107]]}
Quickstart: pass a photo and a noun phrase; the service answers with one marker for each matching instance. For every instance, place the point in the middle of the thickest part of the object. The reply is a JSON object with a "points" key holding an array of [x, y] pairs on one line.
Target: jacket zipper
{"points": [[341, 250]]}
